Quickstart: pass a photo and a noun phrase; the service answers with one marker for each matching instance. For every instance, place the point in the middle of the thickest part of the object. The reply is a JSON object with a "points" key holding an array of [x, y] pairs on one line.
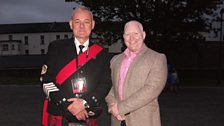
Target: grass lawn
{"points": [[19, 81]]}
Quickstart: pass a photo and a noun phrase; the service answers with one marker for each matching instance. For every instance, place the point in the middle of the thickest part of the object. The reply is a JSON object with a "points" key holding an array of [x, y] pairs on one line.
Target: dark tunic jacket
{"points": [[96, 71]]}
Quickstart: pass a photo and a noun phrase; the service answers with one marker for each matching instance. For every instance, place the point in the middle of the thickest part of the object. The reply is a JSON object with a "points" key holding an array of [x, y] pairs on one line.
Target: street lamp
{"points": [[220, 44]]}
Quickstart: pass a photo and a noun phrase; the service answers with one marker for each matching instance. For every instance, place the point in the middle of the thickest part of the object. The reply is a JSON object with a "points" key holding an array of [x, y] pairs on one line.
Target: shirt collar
{"points": [[77, 43], [131, 54]]}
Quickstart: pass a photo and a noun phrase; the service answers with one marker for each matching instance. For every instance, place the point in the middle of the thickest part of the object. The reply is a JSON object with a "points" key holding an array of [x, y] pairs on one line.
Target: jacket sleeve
{"points": [[48, 75], [48, 72], [110, 98]]}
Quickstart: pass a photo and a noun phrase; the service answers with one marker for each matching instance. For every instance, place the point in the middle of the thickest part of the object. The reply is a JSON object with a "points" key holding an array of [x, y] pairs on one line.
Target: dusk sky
{"points": [[33, 11]]}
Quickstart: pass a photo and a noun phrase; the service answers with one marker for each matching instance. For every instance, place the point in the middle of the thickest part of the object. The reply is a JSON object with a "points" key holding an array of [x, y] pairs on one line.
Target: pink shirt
{"points": [[128, 59]]}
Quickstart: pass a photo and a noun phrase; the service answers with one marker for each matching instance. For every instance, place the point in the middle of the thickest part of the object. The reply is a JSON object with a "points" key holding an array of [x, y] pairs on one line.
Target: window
{"points": [[10, 37], [65, 36], [13, 47], [57, 37], [18, 47], [42, 42], [42, 51], [27, 52], [26, 40], [5, 47]]}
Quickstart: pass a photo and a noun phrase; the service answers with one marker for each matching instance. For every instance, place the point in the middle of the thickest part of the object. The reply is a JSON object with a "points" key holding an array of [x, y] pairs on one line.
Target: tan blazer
{"points": [[145, 80]]}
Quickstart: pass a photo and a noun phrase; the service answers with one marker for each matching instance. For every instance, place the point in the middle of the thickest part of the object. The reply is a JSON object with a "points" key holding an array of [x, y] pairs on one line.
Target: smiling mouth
{"points": [[81, 31]]}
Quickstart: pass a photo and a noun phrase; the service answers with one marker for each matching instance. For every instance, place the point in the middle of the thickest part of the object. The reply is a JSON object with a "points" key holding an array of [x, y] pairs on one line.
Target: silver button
{"points": [[77, 95], [91, 113]]}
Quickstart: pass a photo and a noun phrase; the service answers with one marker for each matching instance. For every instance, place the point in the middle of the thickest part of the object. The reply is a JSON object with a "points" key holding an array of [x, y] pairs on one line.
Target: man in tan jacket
{"points": [[138, 76]]}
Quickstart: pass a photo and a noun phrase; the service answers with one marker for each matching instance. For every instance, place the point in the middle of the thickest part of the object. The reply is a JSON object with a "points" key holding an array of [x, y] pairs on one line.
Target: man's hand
{"points": [[119, 117], [83, 115], [76, 106], [113, 109]]}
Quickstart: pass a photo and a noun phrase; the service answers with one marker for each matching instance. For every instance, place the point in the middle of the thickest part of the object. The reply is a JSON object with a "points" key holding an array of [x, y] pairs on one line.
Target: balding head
{"points": [[134, 35], [134, 22]]}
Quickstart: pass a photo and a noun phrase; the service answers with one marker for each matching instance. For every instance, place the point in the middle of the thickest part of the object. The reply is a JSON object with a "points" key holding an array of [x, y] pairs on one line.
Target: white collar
{"points": [[77, 43]]}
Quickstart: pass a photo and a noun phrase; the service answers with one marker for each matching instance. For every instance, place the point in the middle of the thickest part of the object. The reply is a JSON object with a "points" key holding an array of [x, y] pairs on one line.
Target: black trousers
{"points": [[123, 123]]}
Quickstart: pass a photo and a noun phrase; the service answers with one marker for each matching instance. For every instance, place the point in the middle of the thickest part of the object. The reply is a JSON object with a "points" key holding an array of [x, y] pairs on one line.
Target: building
{"points": [[34, 38], [30, 38]]}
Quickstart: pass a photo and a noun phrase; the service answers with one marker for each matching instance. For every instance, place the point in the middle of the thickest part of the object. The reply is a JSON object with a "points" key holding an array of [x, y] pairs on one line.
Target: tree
{"points": [[167, 22]]}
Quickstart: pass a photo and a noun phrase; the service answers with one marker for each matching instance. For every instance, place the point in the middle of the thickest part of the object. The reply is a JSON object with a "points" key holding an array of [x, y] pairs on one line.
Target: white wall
{"points": [[34, 41]]}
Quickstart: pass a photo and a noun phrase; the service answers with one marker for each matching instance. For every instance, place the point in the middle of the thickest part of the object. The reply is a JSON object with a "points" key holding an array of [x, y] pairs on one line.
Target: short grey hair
{"points": [[81, 8]]}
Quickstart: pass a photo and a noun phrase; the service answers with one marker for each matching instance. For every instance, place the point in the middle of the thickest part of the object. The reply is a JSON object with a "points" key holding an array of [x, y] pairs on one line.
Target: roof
{"points": [[34, 27]]}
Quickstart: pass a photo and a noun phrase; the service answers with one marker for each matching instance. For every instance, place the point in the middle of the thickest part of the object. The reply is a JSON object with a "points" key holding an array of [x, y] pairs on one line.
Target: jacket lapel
{"points": [[117, 69], [132, 66]]}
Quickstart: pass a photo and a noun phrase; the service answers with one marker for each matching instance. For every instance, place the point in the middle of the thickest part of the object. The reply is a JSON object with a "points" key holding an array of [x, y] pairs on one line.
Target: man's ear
{"points": [[144, 35], [70, 24], [93, 24]]}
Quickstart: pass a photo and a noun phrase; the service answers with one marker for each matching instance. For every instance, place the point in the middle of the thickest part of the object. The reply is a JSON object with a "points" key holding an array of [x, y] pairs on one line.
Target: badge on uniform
{"points": [[79, 85]]}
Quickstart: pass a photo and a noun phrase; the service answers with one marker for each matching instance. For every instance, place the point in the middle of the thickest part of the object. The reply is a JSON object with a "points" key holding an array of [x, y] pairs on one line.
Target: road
{"points": [[22, 106]]}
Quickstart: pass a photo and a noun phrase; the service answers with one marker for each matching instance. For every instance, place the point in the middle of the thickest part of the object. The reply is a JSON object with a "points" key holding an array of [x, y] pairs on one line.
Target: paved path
{"points": [[22, 106]]}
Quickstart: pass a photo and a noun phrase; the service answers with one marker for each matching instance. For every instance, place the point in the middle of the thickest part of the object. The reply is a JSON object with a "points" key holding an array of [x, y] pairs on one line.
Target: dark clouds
{"points": [[29, 11]]}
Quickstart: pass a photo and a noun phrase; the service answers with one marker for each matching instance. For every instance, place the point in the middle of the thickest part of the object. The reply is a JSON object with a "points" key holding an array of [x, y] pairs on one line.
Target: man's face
{"points": [[133, 37], [82, 25]]}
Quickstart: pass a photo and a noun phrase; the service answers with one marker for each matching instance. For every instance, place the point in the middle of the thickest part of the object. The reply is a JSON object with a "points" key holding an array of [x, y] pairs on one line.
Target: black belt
{"points": [[123, 123]]}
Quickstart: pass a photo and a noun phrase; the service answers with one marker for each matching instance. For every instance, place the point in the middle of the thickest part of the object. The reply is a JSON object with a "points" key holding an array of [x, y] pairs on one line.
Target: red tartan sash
{"points": [[64, 74], [70, 68]]}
